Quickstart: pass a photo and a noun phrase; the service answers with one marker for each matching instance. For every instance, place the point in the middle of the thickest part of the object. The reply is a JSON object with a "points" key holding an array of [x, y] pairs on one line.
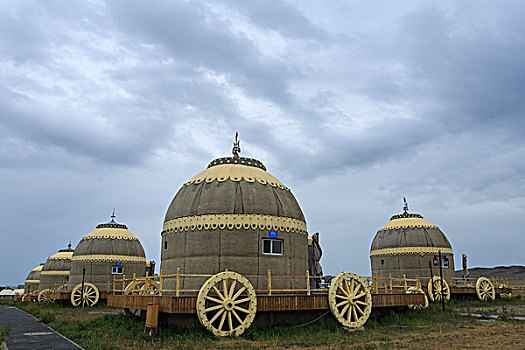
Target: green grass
{"points": [[4, 332], [102, 327]]}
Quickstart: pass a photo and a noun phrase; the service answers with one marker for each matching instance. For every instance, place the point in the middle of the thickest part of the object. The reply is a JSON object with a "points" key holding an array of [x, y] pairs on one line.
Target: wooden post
{"points": [[390, 281], [375, 282], [307, 282], [269, 282], [133, 285], [113, 284], [109, 287], [405, 280], [160, 283], [123, 283], [146, 284], [177, 284]]}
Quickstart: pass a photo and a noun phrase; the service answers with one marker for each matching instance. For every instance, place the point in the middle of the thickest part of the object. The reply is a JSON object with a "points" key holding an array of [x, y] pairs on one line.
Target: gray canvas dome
{"points": [[406, 244], [55, 271], [109, 245], [218, 221], [32, 281]]}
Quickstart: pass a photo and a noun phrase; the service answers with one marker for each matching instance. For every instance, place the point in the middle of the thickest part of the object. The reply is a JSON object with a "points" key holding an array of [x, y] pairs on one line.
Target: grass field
{"points": [[103, 327]]}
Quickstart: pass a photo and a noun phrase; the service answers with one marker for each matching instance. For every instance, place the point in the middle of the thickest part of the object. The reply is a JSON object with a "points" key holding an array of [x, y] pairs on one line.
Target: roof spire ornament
{"points": [[236, 146], [69, 245], [405, 207], [113, 215]]}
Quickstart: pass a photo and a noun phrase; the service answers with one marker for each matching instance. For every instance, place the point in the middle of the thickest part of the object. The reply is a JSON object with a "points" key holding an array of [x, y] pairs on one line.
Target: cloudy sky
{"points": [[351, 104]]}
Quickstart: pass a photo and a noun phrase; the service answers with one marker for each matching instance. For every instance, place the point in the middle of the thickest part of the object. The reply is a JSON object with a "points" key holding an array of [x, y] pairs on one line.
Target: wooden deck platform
{"points": [[186, 304]]}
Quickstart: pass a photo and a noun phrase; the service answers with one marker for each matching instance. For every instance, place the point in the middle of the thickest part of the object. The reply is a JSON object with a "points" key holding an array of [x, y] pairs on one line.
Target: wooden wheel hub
{"points": [[226, 304], [350, 300]]}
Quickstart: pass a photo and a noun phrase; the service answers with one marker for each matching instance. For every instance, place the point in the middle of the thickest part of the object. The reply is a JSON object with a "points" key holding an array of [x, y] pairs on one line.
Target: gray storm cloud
{"points": [[351, 105]]}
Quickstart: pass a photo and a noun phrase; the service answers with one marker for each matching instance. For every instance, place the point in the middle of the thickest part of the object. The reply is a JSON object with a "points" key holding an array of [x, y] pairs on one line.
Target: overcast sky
{"points": [[351, 104]]}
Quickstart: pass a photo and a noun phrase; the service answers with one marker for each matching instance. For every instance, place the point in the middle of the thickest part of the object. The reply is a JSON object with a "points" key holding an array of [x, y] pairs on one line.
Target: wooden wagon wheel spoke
{"points": [[218, 304], [415, 290], [239, 292], [214, 299], [236, 316], [232, 289], [350, 300], [240, 301], [216, 307], [219, 294], [217, 315]]}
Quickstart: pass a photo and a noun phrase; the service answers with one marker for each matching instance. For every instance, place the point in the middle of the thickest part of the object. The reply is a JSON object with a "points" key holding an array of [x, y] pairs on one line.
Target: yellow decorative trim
{"points": [[236, 172], [55, 273], [32, 281], [61, 256], [234, 221], [109, 258], [110, 233], [38, 268], [411, 251], [406, 223]]}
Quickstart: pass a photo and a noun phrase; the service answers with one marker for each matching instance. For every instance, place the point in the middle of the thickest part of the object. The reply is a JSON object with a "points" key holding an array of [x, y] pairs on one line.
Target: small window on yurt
{"points": [[272, 246], [117, 270]]}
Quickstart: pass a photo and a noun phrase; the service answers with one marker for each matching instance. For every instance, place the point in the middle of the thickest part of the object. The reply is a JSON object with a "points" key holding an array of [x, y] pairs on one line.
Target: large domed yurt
{"points": [[406, 244], [109, 250], [55, 272], [235, 216], [33, 279]]}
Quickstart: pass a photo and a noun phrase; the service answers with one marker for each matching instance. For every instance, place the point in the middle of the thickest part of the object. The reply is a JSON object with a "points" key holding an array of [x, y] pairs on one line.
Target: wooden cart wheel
{"points": [[350, 300], [438, 289], [133, 288], [141, 288], [485, 289], [415, 290], [504, 295], [88, 298], [25, 297], [43, 296], [226, 304]]}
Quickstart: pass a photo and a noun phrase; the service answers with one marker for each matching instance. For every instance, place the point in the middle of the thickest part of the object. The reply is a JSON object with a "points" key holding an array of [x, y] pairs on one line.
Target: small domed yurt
{"points": [[235, 215], [33, 279], [406, 244], [55, 272], [110, 249]]}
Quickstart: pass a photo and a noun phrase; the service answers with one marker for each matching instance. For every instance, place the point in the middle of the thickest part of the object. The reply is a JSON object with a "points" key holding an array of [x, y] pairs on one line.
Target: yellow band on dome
{"points": [[235, 172], [410, 251], [406, 223], [234, 221], [110, 233], [38, 268], [55, 273], [61, 256], [32, 281], [108, 257]]}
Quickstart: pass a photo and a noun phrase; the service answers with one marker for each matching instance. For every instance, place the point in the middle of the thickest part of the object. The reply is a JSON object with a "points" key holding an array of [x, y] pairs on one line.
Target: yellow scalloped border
{"points": [[55, 273], [110, 233], [235, 172], [108, 257], [410, 251], [234, 221]]}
